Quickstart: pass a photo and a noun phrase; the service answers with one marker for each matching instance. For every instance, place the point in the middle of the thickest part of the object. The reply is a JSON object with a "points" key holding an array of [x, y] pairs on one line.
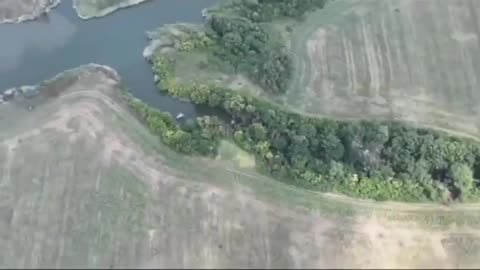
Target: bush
{"points": [[389, 160]]}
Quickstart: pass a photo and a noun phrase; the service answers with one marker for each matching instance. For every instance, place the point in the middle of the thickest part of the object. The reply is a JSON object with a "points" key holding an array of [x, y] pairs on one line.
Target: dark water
{"points": [[33, 51]]}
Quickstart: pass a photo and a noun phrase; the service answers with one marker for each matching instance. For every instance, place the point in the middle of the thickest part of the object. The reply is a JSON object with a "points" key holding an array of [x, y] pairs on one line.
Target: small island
{"points": [[87, 9], [16, 11]]}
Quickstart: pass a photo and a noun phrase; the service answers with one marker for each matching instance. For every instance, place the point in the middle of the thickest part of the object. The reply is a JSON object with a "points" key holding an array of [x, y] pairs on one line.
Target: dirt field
{"points": [[417, 61], [87, 9], [14, 11], [83, 184]]}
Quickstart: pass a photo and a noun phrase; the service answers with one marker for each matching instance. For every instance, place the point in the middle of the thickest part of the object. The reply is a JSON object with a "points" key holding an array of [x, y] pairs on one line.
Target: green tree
{"points": [[462, 178], [258, 132]]}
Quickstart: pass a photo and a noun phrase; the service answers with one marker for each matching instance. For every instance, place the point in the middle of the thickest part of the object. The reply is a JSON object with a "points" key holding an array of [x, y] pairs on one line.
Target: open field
{"points": [[14, 11], [416, 61], [84, 184], [87, 9]]}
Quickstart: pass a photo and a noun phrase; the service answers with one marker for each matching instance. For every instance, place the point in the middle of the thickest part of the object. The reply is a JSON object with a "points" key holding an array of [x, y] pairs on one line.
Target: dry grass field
{"points": [[84, 184], [416, 61]]}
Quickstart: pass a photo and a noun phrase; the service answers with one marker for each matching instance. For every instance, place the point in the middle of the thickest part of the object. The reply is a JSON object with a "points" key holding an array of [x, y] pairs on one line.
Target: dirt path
{"points": [[396, 206]]}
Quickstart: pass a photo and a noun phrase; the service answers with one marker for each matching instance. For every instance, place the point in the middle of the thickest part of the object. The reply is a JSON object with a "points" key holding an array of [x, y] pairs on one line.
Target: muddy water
{"points": [[33, 51]]}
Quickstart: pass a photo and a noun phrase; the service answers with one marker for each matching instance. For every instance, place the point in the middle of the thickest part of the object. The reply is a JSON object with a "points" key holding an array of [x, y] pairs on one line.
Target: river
{"points": [[34, 51]]}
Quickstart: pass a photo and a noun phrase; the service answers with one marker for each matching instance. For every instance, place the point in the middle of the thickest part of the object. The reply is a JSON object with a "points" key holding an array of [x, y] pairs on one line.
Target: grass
{"points": [[425, 222], [338, 14], [90, 214], [201, 65], [229, 151], [197, 64], [103, 4], [301, 33], [153, 207], [398, 60]]}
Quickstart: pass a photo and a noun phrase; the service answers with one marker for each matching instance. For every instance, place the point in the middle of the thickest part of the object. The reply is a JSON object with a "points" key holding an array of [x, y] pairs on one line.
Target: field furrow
{"points": [[416, 61]]}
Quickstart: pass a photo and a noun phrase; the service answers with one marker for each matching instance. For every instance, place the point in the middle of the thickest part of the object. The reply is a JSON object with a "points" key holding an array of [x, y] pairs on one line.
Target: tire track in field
{"points": [[413, 61]]}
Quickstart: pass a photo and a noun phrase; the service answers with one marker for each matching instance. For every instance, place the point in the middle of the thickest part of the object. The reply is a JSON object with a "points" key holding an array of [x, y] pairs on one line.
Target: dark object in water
{"points": [[397, 10]]}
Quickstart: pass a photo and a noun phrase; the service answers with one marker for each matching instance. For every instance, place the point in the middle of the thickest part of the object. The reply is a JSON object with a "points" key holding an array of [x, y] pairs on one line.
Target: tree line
{"points": [[200, 136], [367, 159], [242, 39]]}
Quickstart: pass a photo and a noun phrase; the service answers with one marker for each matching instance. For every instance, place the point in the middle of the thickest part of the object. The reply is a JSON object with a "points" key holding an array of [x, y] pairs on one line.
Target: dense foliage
{"points": [[377, 160], [242, 39], [200, 136], [268, 10]]}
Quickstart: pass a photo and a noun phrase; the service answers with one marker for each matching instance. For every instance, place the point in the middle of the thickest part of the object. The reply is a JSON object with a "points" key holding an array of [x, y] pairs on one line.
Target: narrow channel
{"points": [[34, 51]]}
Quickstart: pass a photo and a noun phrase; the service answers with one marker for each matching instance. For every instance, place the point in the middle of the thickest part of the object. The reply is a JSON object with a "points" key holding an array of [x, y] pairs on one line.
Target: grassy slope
{"points": [[79, 200], [190, 72], [353, 60], [151, 207], [428, 214]]}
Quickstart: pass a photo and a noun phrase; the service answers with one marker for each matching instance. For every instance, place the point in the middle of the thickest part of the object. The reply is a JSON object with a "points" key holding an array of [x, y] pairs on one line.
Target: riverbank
{"points": [[115, 40], [80, 169], [365, 159], [17, 11], [88, 9]]}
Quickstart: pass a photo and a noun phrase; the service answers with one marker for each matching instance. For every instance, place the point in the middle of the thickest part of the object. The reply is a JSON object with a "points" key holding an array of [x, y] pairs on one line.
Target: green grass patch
{"points": [[231, 152], [201, 65]]}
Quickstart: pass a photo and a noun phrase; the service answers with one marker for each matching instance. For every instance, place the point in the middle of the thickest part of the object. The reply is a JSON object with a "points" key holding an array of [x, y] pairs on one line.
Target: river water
{"points": [[34, 51]]}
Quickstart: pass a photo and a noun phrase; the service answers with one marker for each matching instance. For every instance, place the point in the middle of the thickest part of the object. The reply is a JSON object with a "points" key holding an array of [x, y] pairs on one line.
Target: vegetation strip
{"points": [[367, 159]]}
